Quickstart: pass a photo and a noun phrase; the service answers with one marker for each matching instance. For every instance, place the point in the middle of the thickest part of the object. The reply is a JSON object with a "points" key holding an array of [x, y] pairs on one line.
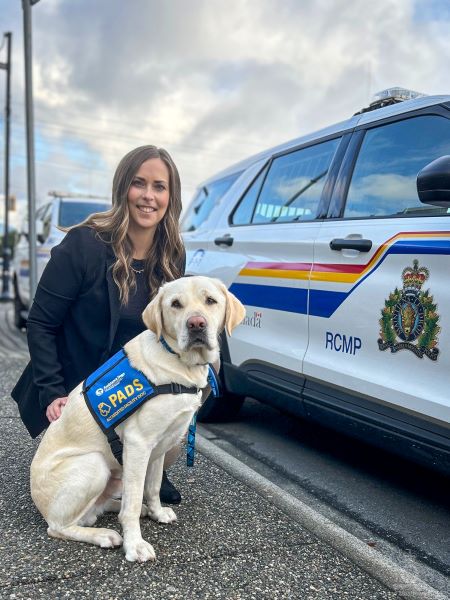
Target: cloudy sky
{"points": [[212, 81]]}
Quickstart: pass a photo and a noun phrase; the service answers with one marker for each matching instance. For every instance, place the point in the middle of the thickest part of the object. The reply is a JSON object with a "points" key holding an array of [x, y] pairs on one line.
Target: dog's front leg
{"points": [[135, 460], [161, 514]]}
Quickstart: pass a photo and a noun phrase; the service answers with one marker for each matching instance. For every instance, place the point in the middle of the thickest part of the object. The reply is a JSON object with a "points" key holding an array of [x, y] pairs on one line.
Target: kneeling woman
{"points": [[99, 279]]}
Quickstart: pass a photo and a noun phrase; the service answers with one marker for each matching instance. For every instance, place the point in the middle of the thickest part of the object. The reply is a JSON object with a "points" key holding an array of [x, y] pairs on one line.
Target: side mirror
{"points": [[433, 182]]}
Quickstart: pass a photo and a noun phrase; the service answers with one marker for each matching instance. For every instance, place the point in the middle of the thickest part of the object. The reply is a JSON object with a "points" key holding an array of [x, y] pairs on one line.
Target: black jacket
{"points": [[71, 325]]}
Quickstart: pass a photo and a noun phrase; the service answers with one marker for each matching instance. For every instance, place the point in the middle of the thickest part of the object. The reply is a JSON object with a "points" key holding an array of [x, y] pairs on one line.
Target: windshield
{"points": [[72, 213]]}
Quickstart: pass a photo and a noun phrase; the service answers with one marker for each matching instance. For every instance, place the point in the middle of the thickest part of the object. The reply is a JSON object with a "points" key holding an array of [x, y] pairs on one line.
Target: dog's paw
{"points": [[141, 551], [164, 515], [144, 511], [107, 538]]}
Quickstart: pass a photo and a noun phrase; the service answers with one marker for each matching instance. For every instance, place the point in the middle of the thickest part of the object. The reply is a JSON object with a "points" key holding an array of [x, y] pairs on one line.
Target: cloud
{"points": [[211, 81]]}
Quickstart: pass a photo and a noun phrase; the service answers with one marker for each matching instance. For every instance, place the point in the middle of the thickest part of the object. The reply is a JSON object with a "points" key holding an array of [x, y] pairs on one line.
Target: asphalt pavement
{"points": [[237, 536]]}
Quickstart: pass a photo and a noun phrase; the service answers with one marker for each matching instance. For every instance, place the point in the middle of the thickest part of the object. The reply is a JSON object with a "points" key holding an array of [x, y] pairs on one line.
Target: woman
{"points": [[99, 279]]}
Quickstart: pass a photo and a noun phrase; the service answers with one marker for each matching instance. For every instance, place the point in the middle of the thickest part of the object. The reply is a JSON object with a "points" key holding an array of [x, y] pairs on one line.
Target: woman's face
{"points": [[148, 195]]}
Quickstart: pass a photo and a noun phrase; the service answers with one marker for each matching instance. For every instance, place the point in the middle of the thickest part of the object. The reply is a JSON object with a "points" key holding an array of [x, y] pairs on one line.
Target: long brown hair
{"points": [[165, 260]]}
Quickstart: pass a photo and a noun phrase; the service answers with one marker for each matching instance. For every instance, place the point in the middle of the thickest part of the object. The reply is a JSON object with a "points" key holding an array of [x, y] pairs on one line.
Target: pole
{"points": [[6, 249], [30, 147]]}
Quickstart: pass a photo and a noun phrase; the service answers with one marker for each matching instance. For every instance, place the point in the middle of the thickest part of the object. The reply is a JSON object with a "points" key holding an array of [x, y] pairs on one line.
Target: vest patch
{"points": [[115, 390]]}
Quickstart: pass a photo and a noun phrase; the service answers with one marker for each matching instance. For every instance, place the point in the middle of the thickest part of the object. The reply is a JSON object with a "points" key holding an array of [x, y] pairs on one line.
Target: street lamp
{"points": [[5, 296], [26, 5]]}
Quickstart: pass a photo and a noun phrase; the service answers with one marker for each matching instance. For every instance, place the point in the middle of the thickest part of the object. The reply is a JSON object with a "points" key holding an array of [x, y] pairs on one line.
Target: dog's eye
{"points": [[210, 300], [176, 304]]}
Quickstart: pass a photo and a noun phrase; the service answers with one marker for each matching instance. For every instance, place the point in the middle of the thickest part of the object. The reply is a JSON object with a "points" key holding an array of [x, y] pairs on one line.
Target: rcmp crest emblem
{"points": [[409, 319]]}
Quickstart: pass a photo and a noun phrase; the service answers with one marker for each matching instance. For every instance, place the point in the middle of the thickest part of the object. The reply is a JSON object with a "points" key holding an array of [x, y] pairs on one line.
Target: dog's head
{"points": [[192, 312]]}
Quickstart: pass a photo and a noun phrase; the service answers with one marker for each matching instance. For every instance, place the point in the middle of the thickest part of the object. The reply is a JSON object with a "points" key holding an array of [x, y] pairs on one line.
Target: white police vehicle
{"points": [[64, 210], [343, 267]]}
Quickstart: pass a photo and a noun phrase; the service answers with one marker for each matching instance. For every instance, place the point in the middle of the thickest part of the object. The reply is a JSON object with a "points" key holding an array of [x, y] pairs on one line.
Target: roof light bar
{"points": [[398, 93], [390, 96]]}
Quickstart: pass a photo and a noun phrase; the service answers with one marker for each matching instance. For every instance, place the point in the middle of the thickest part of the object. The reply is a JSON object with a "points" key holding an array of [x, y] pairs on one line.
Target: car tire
{"points": [[19, 321], [223, 408]]}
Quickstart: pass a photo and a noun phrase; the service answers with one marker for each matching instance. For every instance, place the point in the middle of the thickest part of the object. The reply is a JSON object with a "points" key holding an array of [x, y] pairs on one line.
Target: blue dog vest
{"points": [[116, 390]]}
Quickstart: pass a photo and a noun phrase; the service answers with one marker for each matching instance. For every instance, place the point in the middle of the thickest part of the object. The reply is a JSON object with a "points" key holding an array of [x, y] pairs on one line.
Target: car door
{"points": [[264, 253], [378, 317]]}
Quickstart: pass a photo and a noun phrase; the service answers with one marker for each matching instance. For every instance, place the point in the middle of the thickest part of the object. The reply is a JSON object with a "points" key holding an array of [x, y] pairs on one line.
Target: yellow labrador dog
{"points": [[74, 474]]}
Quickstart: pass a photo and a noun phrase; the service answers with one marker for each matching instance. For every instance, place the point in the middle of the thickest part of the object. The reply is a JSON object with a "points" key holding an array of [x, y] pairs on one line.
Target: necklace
{"points": [[137, 271], [138, 263]]}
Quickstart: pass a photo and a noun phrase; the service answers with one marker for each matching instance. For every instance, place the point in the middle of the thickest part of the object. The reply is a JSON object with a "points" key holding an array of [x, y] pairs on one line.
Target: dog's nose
{"points": [[196, 323]]}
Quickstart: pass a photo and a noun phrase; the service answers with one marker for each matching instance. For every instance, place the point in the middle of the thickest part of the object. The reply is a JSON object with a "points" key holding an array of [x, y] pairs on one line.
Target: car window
{"points": [[244, 211], [384, 177], [72, 213], [43, 216], [42, 210], [205, 200], [292, 189]]}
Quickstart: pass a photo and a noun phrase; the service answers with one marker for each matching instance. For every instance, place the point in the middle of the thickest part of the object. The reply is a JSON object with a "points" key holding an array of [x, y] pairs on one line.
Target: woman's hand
{"points": [[54, 409]]}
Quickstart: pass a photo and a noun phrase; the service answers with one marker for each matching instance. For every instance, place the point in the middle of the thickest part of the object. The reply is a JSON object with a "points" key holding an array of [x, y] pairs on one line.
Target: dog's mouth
{"points": [[198, 339]]}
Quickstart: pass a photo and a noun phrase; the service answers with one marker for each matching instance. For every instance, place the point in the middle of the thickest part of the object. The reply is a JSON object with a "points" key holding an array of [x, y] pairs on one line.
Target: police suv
{"points": [[64, 210], [338, 244]]}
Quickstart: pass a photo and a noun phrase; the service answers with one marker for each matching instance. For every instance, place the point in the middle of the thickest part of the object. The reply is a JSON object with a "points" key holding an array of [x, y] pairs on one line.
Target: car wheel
{"points": [[222, 408], [19, 321]]}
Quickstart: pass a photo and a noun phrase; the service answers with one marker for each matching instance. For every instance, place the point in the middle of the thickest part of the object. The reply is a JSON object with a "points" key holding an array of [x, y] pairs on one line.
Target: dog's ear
{"points": [[152, 315], [234, 312]]}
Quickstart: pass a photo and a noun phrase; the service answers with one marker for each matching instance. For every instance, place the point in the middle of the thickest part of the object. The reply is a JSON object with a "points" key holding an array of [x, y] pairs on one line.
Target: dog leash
{"points": [[190, 449], [214, 384]]}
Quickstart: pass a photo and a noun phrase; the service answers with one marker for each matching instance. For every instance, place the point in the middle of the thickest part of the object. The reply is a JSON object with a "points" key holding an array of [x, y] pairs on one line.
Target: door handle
{"points": [[226, 240], [351, 244]]}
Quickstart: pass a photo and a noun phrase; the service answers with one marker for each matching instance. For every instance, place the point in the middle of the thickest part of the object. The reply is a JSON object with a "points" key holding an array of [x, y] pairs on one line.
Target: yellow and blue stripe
{"points": [[323, 303]]}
